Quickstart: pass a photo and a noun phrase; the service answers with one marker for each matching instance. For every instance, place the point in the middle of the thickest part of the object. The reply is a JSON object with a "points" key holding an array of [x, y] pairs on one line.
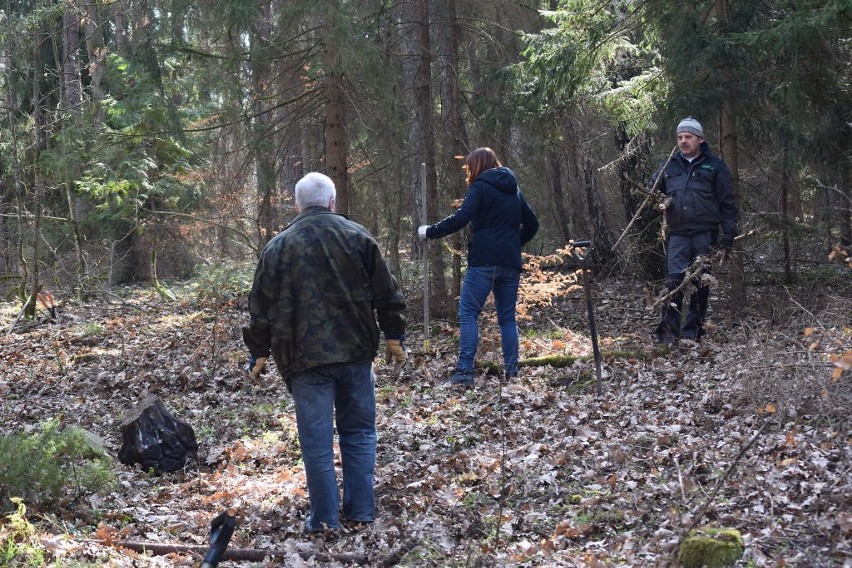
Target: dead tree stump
{"points": [[155, 439]]}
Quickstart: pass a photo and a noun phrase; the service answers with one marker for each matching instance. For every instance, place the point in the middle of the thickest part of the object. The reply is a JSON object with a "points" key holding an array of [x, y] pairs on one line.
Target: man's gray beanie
{"points": [[689, 124]]}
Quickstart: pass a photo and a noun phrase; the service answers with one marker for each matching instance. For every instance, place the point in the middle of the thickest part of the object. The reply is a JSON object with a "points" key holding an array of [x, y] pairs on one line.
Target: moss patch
{"points": [[711, 547]]}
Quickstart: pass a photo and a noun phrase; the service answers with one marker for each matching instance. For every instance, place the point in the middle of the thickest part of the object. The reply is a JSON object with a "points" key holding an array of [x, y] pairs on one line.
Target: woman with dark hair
{"points": [[501, 221]]}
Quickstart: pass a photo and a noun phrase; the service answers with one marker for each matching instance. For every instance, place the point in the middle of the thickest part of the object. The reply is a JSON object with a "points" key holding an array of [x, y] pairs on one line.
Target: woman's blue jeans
{"points": [[344, 394], [479, 281]]}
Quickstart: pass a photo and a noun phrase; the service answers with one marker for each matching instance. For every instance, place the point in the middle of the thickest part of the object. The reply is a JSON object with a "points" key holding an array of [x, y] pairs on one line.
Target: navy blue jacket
{"points": [[702, 196], [501, 220]]}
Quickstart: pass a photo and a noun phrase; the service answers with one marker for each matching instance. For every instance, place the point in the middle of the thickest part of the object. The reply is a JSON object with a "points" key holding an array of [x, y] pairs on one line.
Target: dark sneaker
{"points": [[462, 378], [693, 334], [665, 338], [355, 526], [320, 530]]}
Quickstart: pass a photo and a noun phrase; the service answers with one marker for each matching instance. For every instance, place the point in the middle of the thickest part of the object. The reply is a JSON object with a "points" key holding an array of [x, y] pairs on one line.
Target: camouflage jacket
{"points": [[318, 289]]}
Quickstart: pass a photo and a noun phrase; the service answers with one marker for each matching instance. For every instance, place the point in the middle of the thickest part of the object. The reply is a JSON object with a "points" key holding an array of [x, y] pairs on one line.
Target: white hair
{"points": [[315, 189]]}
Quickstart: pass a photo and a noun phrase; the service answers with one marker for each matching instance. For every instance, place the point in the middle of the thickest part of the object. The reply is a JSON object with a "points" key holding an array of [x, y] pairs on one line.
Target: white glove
{"points": [[421, 232]]}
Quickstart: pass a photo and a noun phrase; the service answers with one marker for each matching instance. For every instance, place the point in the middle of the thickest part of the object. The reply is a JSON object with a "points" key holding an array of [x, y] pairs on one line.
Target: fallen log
{"points": [[237, 554]]}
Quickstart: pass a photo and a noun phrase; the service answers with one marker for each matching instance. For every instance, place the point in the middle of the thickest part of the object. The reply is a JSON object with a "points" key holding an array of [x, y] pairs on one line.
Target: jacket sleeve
{"points": [[728, 210], [529, 222], [661, 186], [460, 218], [256, 335], [388, 300]]}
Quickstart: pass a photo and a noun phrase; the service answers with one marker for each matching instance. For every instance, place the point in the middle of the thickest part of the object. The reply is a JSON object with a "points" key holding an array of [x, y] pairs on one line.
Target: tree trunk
{"points": [[557, 195], [72, 95], [39, 145], [729, 153], [784, 207], [453, 124], [336, 151], [578, 217], [264, 152], [414, 30], [844, 211], [600, 237], [11, 110], [97, 59], [119, 26]]}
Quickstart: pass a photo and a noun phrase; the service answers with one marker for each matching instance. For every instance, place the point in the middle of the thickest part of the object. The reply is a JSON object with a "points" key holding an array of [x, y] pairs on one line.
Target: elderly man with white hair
{"points": [[319, 289]]}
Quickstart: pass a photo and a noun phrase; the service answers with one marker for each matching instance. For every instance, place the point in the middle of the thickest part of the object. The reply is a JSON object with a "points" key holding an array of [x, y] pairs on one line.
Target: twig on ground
{"points": [[680, 479], [698, 514], [803, 308]]}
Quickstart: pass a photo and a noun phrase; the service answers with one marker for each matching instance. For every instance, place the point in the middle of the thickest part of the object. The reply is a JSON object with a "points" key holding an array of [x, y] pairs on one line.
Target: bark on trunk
{"points": [[335, 123], [453, 124], [557, 194], [729, 153], [72, 95], [414, 30], [264, 152]]}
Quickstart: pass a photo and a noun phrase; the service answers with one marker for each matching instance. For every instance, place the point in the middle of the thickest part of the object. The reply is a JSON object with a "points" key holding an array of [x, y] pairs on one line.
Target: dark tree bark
{"points": [[557, 195], [451, 121], [96, 50], [72, 94], [601, 238], [264, 145], [414, 31], [38, 147], [336, 150], [729, 153]]}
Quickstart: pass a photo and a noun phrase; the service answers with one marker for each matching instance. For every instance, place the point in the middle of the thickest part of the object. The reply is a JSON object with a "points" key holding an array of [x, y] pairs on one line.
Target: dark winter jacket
{"points": [[318, 289], [501, 221], [701, 193]]}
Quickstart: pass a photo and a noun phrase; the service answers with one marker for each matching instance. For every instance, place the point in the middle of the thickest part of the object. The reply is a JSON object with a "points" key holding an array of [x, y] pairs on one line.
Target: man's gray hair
{"points": [[315, 189]]}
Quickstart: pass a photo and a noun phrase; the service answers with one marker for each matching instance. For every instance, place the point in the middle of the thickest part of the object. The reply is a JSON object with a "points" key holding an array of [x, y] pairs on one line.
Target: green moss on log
{"points": [[711, 547], [552, 360]]}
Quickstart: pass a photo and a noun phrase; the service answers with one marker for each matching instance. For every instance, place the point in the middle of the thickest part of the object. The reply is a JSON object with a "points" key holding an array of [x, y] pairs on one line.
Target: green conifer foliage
{"points": [[51, 467]]}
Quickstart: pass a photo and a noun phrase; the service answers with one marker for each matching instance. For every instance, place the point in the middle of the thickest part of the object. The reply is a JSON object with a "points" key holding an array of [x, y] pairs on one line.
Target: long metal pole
{"points": [[426, 331], [583, 260]]}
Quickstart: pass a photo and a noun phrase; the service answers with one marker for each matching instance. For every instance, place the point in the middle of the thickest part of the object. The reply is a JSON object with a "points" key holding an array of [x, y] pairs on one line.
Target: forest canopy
{"points": [[141, 140]]}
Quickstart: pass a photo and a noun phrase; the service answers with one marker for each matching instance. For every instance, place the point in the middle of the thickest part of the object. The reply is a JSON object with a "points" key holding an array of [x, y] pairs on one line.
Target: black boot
{"points": [[669, 329], [693, 327]]}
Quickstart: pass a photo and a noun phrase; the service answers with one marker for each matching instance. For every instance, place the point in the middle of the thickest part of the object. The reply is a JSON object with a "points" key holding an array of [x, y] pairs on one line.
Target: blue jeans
{"points": [[345, 394], [479, 281]]}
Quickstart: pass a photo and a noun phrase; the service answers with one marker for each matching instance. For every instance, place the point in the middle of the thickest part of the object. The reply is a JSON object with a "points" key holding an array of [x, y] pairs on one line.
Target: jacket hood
{"points": [[502, 178]]}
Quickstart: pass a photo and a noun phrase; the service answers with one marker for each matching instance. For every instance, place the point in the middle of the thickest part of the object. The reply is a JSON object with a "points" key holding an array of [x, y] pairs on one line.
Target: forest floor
{"points": [[749, 429]]}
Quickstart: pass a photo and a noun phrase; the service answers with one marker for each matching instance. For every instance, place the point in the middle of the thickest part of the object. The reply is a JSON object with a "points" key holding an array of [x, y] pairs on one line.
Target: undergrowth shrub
{"points": [[221, 283], [18, 542], [51, 467]]}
